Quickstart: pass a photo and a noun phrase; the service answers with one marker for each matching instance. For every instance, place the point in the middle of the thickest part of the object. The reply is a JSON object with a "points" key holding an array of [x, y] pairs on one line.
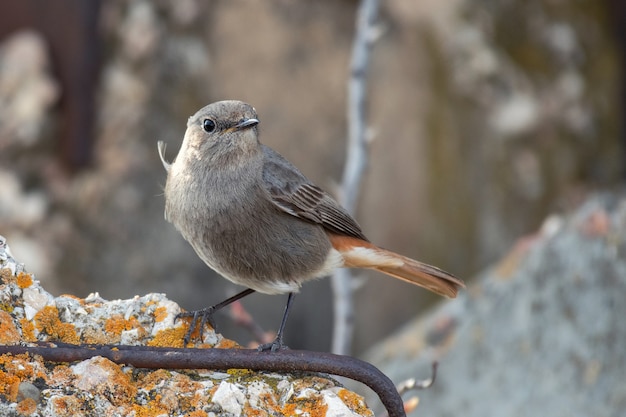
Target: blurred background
{"points": [[485, 117]]}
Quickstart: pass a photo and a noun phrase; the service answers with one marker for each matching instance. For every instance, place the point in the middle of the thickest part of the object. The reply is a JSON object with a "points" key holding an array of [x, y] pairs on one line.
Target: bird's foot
{"points": [[274, 346], [203, 316]]}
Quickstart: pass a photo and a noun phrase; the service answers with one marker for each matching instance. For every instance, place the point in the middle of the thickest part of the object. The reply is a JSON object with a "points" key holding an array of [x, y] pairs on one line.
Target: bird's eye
{"points": [[208, 125]]}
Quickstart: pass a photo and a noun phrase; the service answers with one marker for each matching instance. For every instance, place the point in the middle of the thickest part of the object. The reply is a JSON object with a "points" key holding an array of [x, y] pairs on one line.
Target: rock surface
{"points": [[540, 334], [98, 386]]}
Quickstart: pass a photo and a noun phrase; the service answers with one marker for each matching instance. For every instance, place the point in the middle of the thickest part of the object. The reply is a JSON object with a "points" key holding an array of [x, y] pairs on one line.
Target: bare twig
{"points": [[414, 384], [356, 161], [223, 359], [240, 316]]}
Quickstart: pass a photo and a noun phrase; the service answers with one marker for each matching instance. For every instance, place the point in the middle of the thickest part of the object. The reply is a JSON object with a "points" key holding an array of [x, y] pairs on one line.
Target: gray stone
{"points": [[540, 333]]}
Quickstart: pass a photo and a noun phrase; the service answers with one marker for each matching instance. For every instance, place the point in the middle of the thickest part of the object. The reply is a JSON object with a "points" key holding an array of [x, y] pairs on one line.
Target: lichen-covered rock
{"points": [[540, 334], [97, 386]]}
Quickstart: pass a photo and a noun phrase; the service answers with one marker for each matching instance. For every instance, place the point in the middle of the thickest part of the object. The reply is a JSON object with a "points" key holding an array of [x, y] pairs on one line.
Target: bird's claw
{"points": [[274, 346], [204, 316]]}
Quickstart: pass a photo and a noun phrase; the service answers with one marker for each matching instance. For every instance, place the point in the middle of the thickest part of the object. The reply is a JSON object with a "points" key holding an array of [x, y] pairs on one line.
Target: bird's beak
{"points": [[244, 124]]}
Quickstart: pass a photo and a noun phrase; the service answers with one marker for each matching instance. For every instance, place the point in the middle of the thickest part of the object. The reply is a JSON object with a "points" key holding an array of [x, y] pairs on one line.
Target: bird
{"points": [[256, 220]]}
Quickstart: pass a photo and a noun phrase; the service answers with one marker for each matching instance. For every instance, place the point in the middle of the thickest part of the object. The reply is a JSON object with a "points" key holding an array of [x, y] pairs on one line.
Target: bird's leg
{"points": [[206, 314], [277, 344]]}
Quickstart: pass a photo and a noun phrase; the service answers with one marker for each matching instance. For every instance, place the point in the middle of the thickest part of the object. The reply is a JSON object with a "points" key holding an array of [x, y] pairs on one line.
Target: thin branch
{"points": [[356, 161], [224, 359], [414, 384], [241, 317]]}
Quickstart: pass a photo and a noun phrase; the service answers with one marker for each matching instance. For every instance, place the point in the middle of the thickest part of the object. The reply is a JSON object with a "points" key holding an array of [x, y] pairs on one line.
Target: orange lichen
{"points": [[121, 388], [24, 280], [314, 406], [117, 387], [197, 413], [169, 392], [28, 330], [15, 369], [67, 405], [187, 322], [47, 321], [26, 407], [61, 375], [116, 324], [248, 411], [353, 401], [96, 336], [268, 399], [172, 337], [71, 296], [289, 409], [9, 335], [227, 344], [200, 399], [160, 313], [5, 274], [150, 380], [9, 385], [212, 391], [151, 409], [22, 366]]}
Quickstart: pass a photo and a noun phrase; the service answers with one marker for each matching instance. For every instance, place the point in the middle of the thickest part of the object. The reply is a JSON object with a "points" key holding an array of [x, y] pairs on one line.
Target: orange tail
{"points": [[358, 253]]}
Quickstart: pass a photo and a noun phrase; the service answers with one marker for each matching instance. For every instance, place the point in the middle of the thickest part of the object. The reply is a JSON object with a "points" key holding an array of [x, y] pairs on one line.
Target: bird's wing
{"points": [[294, 194]]}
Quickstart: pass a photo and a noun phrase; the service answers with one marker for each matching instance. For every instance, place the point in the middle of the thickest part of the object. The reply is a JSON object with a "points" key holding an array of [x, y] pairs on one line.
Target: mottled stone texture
{"points": [[540, 333]]}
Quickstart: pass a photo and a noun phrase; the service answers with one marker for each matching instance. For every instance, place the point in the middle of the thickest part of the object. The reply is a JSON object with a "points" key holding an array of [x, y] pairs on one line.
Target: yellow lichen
{"points": [[240, 373], [47, 321], [7, 307]]}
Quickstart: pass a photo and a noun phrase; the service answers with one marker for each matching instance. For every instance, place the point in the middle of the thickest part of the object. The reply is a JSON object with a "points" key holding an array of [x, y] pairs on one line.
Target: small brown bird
{"points": [[255, 219]]}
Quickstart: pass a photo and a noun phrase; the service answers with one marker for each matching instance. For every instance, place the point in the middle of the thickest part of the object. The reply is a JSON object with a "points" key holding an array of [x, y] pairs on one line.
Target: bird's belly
{"points": [[270, 252]]}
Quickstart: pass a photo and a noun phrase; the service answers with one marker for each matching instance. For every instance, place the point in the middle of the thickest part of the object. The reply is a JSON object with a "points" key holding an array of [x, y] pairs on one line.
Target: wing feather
{"points": [[294, 194]]}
